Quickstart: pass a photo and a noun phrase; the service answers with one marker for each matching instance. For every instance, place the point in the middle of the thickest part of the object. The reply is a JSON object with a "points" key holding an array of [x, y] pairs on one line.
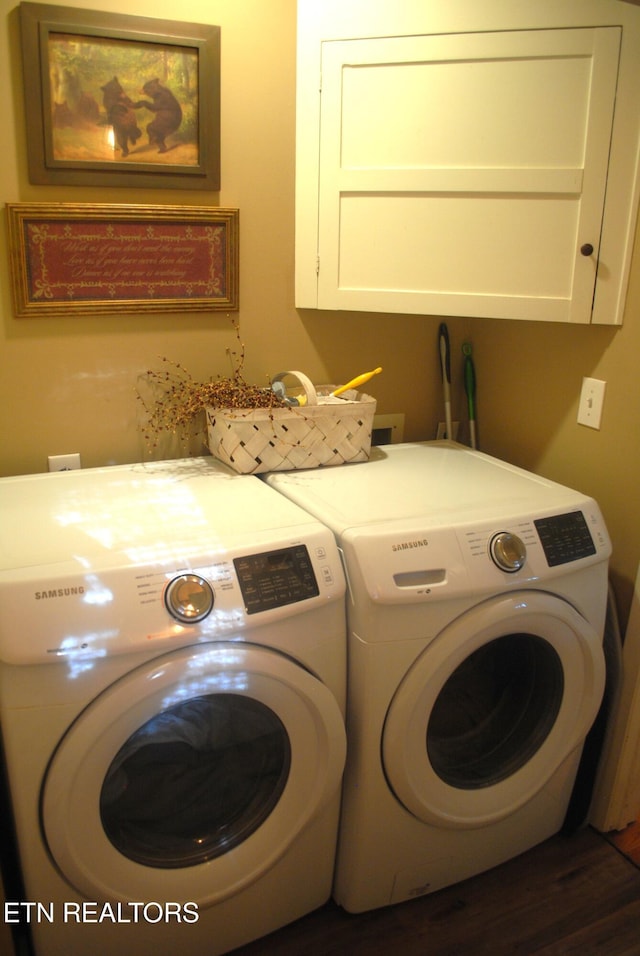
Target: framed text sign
{"points": [[90, 258], [116, 100]]}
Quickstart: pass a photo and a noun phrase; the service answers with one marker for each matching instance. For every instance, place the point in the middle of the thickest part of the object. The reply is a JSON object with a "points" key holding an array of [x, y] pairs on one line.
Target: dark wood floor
{"points": [[628, 840], [575, 895]]}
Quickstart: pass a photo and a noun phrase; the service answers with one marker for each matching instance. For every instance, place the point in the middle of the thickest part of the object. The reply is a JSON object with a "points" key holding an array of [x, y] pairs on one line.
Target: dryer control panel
{"points": [[276, 578], [267, 580], [80, 615]]}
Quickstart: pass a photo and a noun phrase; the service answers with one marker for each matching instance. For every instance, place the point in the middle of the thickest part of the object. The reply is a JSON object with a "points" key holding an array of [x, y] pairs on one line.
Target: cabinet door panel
{"points": [[460, 169], [468, 253]]}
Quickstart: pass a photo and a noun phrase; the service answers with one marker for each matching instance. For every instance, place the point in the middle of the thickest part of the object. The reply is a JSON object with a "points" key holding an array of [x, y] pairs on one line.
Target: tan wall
{"points": [[529, 380], [68, 384]]}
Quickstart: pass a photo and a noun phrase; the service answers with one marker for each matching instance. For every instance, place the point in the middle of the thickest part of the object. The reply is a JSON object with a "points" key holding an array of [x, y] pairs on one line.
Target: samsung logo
{"points": [[58, 593], [409, 545]]}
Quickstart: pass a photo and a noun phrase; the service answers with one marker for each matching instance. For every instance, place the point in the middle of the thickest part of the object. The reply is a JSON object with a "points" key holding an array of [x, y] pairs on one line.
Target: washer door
{"points": [[201, 752], [491, 708]]}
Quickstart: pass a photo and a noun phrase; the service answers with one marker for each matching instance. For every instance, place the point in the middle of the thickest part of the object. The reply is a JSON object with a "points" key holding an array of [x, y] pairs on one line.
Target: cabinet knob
{"points": [[586, 249]]}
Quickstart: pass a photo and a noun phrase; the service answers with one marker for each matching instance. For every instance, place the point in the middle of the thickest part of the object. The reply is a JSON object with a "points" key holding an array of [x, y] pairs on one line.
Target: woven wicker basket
{"points": [[324, 431]]}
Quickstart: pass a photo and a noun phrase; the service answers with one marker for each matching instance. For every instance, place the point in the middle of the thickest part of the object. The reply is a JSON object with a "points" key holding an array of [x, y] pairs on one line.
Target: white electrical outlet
{"points": [[591, 402], [65, 462]]}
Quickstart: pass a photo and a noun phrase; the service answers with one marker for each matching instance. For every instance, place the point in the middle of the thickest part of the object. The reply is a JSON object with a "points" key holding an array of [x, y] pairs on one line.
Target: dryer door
{"points": [[491, 708], [229, 747]]}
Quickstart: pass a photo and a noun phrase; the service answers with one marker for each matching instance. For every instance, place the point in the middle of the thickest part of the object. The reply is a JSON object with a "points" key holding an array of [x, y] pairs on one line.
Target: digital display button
{"points": [[565, 538], [276, 578]]}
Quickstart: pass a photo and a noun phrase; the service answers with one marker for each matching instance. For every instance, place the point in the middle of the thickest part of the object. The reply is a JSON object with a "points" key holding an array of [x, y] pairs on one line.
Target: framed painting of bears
{"points": [[117, 100]]}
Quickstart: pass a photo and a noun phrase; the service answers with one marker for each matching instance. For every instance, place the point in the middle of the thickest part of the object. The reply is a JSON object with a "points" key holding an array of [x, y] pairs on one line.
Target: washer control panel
{"points": [[420, 563], [565, 538]]}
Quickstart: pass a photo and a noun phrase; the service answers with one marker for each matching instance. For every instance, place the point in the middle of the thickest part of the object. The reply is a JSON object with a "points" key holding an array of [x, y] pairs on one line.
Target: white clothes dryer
{"points": [[476, 605], [172, 691]]}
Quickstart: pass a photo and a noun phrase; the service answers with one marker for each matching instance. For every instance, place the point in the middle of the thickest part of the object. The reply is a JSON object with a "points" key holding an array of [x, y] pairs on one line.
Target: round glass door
{"points": [[195, 781], [495, 711], [201, 751], [491, 708]]}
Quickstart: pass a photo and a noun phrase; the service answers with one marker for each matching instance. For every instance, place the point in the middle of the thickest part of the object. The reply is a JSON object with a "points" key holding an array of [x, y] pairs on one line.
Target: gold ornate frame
{"points": [[89, 259]]}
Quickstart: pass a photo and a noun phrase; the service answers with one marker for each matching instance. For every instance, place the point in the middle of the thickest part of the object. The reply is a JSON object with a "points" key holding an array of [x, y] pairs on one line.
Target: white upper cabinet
{"points": [[465, 173], [462, 174]]}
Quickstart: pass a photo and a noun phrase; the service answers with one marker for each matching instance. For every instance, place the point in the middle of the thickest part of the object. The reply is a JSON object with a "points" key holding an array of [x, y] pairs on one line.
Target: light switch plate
{"points": [[591, 402]]}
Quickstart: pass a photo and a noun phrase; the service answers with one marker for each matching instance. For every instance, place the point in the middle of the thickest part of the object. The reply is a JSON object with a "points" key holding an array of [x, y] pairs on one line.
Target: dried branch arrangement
{"points": [[175, 399]]}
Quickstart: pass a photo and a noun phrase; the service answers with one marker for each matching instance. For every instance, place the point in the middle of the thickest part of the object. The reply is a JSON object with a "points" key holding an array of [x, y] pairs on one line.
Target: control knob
{"points": [[189, 598], [508, 551]]}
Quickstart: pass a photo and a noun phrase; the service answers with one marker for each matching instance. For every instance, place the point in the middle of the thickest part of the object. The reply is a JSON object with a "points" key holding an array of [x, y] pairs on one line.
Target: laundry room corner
{"points": [[252, 683]]}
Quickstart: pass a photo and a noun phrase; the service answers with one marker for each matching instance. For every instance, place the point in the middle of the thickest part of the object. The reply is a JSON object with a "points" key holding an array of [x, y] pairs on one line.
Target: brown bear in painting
{"points": [[120, 115], [167, 109]]}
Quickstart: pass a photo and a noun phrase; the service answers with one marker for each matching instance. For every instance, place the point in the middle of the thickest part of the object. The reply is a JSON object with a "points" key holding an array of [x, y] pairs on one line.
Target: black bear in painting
{"points": [[120, 115], [167, 109]]}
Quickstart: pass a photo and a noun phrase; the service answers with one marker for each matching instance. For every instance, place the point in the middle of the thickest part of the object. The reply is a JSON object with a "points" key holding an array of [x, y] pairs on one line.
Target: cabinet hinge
{"points": [[317, 265]]}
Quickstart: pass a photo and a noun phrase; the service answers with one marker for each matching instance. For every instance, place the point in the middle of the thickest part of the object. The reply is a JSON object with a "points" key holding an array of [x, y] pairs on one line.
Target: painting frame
{"points": [[70, 259], [43, 26]]}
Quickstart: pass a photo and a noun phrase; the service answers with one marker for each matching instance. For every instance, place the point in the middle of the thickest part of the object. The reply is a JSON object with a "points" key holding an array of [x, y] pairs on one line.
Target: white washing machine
{"points": [[172, 690], [476, 605]]}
